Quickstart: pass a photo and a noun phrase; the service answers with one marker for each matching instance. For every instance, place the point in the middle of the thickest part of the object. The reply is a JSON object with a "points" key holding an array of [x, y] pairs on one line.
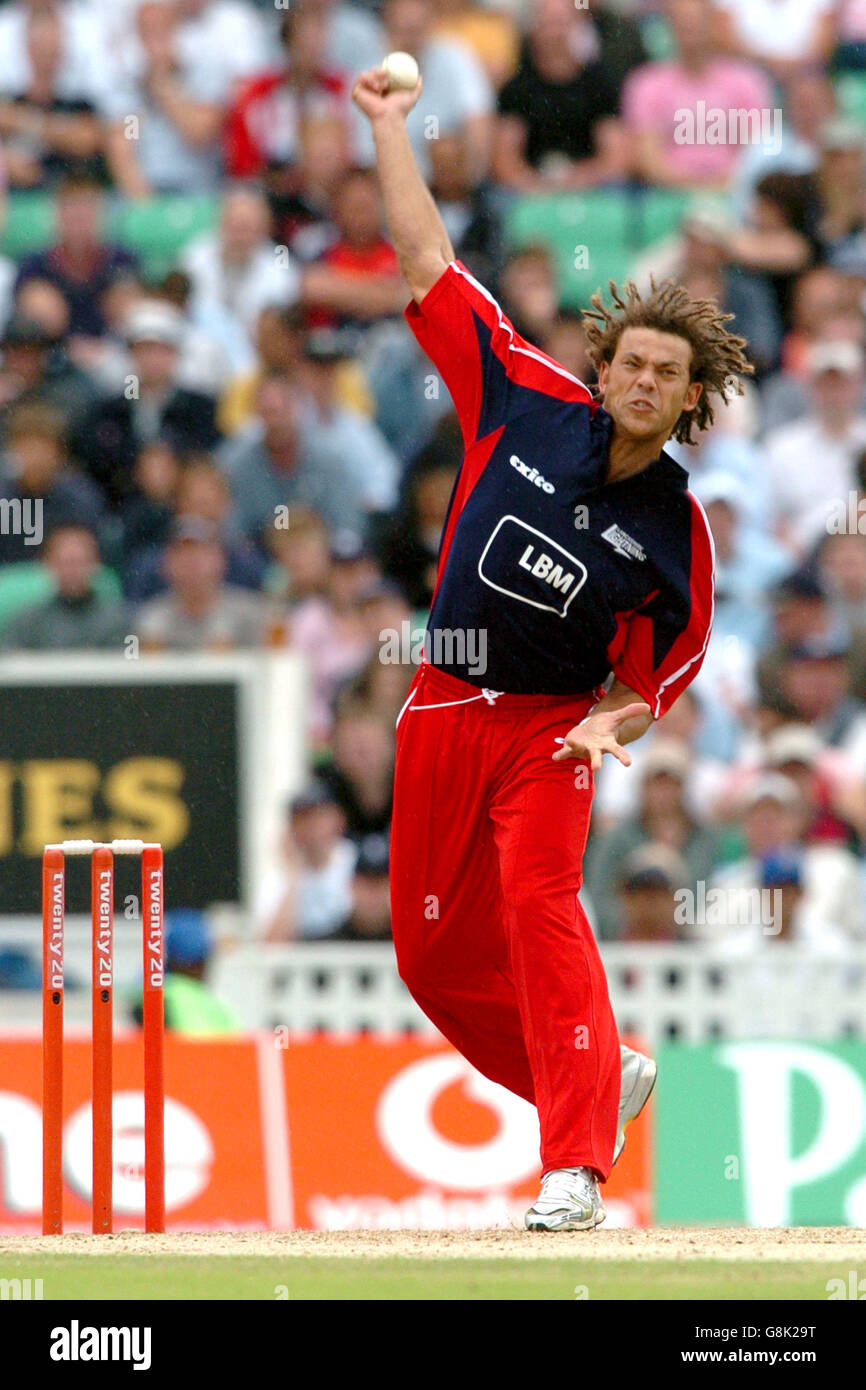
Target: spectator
{"points": [[662, 817], [34, 472], [801, 614], [646, 902], [809, 104], [360, 774], [324, 621], [850, 54], [492, 35], [370, 915], [279, 349], [566, 342], [301, 559], [840, 185], [83, 55], [262, 131], [817, 318], [35, 370], [301, 195], [277, 463], [80, 263], [410, 547], [780, 241], [660, 99], [45, 131], [815, 681], [748, 564], [75, 616], [558, 126], [239, 268], [344, 433], [147, 515], [357, 277], [782, 35], [841, 569], [384, 684], [529, 291], [309, 895], [456, 98], [834, 431], [468, 210], [152, 406], [228, 37], [355, 38], [191, 1008], [773, 818], [165, 110], [833, 799], [200, 490], [200, 611]]}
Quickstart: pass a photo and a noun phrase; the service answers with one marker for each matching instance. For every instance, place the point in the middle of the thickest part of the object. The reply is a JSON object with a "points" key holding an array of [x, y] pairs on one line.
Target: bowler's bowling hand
{"points": [[597, 735], [371, 93]]}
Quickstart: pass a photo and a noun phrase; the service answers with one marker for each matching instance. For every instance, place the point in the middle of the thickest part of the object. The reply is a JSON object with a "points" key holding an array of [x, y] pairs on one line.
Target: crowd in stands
{"points": [[246, 448]]}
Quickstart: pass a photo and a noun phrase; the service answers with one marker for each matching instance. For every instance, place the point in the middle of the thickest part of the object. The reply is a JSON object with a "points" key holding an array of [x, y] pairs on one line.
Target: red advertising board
{"points": [[315, 1133]]}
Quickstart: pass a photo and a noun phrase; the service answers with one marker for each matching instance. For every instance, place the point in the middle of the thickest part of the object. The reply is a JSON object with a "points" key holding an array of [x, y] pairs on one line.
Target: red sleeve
{"points": [[488, 368], [666, 640], [242, 152]]}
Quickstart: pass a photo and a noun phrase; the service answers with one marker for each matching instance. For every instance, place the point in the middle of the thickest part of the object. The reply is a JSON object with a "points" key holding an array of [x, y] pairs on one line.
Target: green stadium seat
{"points": [[658, 38], [159, 228], [851, 95], [29, 224], [659, 212], [588, 234]]}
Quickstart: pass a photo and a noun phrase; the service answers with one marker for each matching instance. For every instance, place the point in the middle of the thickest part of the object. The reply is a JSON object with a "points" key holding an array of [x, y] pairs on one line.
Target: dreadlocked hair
{"points": [[718, 357]]}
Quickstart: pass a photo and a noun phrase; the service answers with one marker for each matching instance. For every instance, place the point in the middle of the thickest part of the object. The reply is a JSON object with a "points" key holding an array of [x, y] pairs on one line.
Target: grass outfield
{"points": [[86, 1277]]}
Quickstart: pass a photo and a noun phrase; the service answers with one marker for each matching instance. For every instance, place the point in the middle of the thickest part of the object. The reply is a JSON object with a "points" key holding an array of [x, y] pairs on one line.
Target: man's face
{"points": [[244, 225], [79, 215], [647, 386], [836, 392], [155, 364], [815, 687], [690, 22], [72, 559], [407, 23], [195, 566], [27, 361], [37, 460]]}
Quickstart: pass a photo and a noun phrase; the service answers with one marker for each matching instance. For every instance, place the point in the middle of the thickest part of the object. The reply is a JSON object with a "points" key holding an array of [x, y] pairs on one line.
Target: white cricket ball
{"points": [[402, 72]]}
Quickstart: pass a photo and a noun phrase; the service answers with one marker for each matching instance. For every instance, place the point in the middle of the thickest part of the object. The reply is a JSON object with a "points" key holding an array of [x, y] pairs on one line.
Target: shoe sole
{"points": [[638, 1097], [543, 1223]]}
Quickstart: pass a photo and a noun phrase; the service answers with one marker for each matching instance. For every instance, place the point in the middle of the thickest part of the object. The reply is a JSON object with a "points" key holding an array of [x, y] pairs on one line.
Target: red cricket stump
{"points": [[102, 914], [153, 937], [102, 1043], [53, 913]]}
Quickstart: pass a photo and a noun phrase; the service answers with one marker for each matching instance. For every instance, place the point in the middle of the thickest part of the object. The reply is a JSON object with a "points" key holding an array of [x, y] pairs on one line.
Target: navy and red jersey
{"points": [[569, 578]]}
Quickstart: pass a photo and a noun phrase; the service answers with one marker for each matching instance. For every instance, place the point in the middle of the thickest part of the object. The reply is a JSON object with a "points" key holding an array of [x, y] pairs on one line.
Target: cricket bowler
{"points": [[573, 543]]}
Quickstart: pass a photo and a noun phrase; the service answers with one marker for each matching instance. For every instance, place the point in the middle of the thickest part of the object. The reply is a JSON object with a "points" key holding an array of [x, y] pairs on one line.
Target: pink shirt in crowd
{"points": [[656, 94]]}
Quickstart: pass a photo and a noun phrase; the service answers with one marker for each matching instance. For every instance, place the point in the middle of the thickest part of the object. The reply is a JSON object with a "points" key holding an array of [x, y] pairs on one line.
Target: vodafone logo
{"points": [[407, 1130]]}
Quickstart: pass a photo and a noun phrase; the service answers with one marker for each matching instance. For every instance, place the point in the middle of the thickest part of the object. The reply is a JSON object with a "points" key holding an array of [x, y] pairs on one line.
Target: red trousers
{"points": [[487, 841]]}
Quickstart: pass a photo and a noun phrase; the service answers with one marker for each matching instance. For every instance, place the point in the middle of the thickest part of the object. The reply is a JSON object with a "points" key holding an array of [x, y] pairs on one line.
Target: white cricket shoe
{"points": [[638, 1079], [569, 1201]]}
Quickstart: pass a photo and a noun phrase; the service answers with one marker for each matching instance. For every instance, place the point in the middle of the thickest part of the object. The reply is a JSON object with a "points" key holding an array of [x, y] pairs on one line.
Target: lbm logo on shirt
{"points": [[530, 567]]}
